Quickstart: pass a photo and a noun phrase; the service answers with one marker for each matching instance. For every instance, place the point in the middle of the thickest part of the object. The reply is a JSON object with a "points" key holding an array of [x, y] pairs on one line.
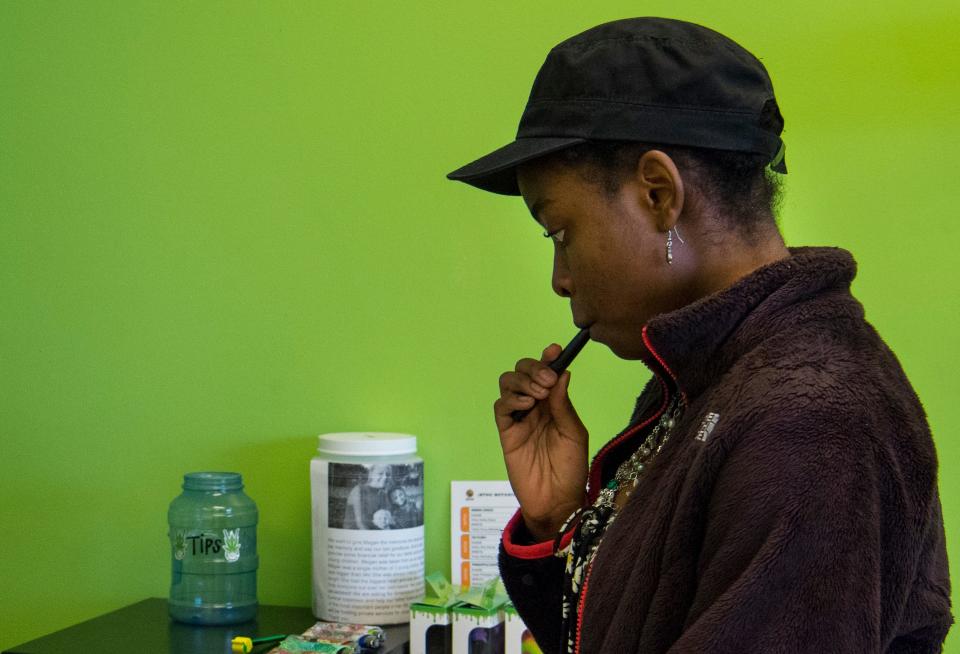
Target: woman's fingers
{"points": [[550, 352], [529, 382], [510, 402], [531, 378]]}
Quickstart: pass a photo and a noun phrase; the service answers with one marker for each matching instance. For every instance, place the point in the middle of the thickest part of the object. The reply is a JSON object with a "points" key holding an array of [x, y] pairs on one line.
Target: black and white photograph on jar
{"points": [[375, 496]]}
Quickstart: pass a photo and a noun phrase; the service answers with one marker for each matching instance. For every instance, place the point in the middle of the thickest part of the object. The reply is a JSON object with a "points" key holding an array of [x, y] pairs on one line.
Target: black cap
{"points": [[654, 80]]}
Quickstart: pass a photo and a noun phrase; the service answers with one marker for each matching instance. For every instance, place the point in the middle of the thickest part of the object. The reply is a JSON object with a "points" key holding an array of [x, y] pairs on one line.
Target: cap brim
{"points": [[497, 172]]}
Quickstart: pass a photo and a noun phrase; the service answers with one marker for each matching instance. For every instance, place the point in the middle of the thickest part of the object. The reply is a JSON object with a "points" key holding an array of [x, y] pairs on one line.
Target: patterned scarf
{"points": [[595, 519]]}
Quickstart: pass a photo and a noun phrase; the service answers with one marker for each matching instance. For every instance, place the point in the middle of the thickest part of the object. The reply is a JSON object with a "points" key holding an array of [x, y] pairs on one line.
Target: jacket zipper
{"points": [[598, 463]]}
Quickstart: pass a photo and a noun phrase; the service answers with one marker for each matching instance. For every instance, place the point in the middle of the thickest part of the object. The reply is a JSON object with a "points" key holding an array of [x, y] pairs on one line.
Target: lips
{"points": [[578, 320]]}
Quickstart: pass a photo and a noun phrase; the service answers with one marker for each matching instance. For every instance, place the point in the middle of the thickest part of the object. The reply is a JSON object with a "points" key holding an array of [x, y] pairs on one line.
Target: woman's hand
{"points": [[546, 452]]}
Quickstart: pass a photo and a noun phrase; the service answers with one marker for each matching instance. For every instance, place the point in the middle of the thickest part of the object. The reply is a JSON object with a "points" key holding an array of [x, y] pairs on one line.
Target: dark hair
{"points": [[737, 187]]}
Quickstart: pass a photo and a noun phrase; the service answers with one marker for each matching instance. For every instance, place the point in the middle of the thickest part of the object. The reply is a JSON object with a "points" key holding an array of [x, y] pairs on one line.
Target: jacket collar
{"points": [[698, 343]]}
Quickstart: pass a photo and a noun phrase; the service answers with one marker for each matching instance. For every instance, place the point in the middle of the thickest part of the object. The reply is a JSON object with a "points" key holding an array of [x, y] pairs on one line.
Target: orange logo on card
{"points": [[464, 519], [464, 547], [464, 575]]}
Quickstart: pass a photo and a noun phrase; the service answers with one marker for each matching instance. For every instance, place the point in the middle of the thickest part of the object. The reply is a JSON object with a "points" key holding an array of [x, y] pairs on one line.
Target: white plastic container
{"points": [[367, 497]]}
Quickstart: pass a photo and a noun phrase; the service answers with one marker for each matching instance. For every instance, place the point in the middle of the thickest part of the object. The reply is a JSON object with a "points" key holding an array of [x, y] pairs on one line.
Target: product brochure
{"points": [[479, 512]]}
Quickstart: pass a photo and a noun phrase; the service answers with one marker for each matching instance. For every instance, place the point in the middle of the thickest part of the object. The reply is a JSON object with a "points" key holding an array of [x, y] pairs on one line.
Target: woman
{"points": [[775, 489], [365, 500]]}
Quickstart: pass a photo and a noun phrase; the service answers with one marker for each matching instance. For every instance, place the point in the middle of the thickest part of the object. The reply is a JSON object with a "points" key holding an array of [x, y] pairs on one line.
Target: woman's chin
{"points": [[620, 344]]}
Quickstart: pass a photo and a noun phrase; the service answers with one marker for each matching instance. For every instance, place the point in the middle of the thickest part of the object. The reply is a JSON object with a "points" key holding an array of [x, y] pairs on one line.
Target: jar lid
{"points": [[212, 481], [367, 443]]}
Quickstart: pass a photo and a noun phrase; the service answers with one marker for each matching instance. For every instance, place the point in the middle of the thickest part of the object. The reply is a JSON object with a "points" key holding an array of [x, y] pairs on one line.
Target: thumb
{"points": [[560, 405]]}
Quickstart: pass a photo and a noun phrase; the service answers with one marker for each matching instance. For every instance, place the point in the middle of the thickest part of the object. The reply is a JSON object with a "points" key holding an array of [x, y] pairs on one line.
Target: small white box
{"points": [[431, 629], [477, 630]]}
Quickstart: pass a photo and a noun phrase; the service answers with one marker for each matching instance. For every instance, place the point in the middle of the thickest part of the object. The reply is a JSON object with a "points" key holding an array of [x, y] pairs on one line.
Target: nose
{"points": [[561, 282]]}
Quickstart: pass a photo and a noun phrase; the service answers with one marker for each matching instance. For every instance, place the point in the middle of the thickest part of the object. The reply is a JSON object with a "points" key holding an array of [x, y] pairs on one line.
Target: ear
{"points": [[661, 188]]}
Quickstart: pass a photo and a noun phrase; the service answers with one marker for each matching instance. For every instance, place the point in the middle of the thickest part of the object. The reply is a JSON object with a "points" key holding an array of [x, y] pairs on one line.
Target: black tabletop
{"points": [[146, 628]]}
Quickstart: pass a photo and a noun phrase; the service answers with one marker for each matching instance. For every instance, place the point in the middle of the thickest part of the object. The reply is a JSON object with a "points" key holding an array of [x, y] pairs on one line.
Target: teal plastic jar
{"points": [[213, 549]]}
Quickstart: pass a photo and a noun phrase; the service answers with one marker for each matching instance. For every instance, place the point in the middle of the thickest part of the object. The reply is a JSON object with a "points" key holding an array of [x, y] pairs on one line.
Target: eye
{"points": [[556, 235]]}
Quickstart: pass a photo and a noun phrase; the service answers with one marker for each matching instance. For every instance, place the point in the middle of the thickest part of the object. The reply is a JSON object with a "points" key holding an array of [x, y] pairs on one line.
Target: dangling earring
{"points": [[670, 244]]}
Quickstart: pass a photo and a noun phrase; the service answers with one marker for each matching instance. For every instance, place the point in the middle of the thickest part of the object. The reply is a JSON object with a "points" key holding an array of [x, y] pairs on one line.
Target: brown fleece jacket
{"points": [[794, 507]]}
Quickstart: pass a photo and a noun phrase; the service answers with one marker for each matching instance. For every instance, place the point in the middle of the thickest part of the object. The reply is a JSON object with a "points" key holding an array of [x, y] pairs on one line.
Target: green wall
{"points": [[224, 229]]}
